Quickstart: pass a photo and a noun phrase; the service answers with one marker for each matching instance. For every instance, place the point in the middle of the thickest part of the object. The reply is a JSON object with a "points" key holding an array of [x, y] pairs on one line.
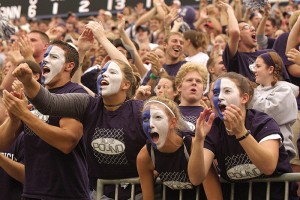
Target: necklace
{"points": [[113, 105]]}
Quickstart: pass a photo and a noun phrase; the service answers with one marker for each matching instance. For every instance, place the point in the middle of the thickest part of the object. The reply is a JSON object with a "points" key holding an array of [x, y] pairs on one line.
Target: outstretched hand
{"points": [[203, 124]]}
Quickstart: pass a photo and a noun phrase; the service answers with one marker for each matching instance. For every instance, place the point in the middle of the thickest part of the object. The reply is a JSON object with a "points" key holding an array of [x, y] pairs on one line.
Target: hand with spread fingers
{"points": [[26, 47], [203, 126]]}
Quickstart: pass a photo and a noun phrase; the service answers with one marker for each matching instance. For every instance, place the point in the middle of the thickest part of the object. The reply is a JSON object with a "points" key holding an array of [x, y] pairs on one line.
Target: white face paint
{"points": [[159, 124], [110, 79], [229, 93], [54, 60]]}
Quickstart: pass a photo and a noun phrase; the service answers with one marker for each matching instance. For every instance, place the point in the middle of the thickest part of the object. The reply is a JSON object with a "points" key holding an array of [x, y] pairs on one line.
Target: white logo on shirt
{"points": [[109, 146], [243, 171]]}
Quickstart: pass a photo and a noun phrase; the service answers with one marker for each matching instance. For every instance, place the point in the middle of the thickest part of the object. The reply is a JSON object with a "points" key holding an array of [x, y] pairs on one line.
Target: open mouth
{"points": [[104, 83], [46, 70], [253, 36], [176, 49], [222, 107], [155, 137]]}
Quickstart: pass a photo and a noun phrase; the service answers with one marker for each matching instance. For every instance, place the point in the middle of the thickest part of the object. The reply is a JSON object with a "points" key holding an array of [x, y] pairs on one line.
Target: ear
{"points": [[245, 98], [176, 93], [271, 69], [69, 66], [179, 88], [125, 85], [211, 70], [173, 123]]}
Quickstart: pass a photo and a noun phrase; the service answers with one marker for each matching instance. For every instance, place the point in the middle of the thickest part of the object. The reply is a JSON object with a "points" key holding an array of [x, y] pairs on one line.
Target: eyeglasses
{"points": [[247, 27]]}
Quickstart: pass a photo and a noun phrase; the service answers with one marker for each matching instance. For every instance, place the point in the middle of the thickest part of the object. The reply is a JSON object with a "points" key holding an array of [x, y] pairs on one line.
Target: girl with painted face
{"points": [[167, 152], [242, 140], [275, 97], [112, 121]]}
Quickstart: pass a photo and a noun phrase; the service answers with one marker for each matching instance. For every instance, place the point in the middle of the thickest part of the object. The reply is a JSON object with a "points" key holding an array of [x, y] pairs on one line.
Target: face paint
{"points": [[110, 79], [54, 60], [225, 93], [156, 126]]}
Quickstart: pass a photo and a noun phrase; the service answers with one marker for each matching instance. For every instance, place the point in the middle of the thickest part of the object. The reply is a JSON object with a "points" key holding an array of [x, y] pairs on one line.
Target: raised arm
{"points": [[233, 28], [291, 52], [99, 34], [65, 105], [146, 17], [201, 159], [137, 59], [294, 36], [262, 40]]}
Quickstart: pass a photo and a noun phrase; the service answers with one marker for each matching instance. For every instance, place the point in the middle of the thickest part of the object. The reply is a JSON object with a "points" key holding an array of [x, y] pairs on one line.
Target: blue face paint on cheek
{"points": [[100, 78], [216, 91], [46, 54], [146, 126]]}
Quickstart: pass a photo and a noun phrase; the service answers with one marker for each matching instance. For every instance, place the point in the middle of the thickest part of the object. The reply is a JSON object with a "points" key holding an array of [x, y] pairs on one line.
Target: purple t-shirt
{"points": [[190, 114], [234, 163], [172, 170], [49, 173], [241, 61], [170, 69], [280, 47], [10, 188], [114, 138]]}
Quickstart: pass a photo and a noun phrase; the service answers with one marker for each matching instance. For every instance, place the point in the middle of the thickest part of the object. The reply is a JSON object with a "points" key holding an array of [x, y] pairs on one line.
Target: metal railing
{"points": [[285, 178]]}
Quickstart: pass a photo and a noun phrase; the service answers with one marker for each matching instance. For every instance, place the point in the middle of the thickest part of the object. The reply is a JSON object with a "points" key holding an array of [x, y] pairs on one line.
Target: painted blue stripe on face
{"points": [[46, 54], [100, 77], [146, 126], [216, 92]]}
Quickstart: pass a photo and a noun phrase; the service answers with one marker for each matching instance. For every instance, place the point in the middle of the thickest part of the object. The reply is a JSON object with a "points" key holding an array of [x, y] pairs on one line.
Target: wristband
{"points": [[152, 76], [244, 136]]}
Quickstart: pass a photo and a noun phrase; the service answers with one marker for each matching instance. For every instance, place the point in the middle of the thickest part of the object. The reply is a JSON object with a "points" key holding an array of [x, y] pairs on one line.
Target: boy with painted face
{"points": [[167, 152], [242, 140], [53, 145]]}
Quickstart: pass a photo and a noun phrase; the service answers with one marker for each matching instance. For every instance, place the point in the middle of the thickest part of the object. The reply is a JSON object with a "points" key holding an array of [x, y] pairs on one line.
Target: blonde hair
{"points": [[190, 67]]}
